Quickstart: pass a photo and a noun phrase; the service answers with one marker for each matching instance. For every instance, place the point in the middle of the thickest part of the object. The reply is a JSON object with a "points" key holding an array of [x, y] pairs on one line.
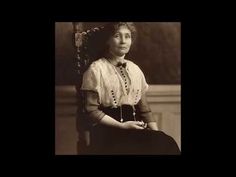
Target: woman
{"points": [[115, 101]]}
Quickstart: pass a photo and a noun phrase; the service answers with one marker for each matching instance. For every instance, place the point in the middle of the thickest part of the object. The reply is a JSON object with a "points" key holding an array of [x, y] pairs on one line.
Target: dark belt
{"points": [[122, 113]]}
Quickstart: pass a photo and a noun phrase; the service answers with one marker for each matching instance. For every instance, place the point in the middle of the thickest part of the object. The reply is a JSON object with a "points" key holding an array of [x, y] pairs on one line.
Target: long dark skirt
{"points": [[105, 140]]}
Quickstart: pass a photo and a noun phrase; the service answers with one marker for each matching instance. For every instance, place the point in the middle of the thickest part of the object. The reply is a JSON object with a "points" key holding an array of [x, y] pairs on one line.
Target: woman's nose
{"points": [[122, 40]]}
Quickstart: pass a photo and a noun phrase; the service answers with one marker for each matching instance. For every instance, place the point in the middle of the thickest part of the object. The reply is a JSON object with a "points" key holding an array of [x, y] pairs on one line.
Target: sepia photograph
{"points": [[118, 88]]}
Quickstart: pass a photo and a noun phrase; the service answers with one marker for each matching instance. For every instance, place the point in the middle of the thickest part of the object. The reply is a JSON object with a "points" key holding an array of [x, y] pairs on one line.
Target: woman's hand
{"points": [[134, 125], [152, 126]]}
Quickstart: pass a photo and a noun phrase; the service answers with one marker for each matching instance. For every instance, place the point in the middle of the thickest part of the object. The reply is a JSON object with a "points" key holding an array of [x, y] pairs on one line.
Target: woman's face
{"points": [[120, 42]]}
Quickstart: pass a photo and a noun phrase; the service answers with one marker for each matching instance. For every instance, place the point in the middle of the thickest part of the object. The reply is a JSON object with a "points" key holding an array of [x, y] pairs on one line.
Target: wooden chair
{"points": [[88, 50]]}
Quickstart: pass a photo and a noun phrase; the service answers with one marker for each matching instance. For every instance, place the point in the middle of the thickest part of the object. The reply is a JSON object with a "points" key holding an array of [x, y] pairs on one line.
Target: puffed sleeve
{"points": [[92, 81], [144, 85]]}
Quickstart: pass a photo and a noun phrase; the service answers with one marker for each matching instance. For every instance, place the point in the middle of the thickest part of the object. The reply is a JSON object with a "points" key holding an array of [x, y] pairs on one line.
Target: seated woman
{"points": [[115, 102]]}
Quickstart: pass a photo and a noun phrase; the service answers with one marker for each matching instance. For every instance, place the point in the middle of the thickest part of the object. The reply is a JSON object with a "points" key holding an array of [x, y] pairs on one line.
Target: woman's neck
{"points": [[115, 59]]}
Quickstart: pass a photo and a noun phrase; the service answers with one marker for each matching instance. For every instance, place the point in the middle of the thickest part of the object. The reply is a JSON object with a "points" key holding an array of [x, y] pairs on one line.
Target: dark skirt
{"points": [[108, 140]]}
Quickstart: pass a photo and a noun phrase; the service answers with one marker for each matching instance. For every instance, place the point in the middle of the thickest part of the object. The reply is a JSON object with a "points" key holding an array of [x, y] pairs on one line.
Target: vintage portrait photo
{"points": [[118, 88]]}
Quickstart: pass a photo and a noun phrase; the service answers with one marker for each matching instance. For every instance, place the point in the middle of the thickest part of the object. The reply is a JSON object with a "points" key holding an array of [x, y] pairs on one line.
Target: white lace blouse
{"points": [[114, 86]]}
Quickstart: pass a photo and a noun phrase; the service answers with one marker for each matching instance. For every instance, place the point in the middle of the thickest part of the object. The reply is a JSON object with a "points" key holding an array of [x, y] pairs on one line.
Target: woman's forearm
{"points": [[109, 121]]}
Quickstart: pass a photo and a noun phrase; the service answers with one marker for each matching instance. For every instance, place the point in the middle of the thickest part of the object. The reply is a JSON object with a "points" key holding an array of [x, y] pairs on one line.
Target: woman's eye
{"points": [[116, 36], [127, 36]]}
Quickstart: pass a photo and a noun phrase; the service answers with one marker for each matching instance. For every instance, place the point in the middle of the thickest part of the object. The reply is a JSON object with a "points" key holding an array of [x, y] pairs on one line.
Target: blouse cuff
{"points": [[96, 116], [91, 107]]}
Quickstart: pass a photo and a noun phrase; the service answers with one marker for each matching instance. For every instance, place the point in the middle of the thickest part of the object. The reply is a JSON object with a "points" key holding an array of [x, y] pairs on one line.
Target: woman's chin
{"points": [[121, 53]]}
